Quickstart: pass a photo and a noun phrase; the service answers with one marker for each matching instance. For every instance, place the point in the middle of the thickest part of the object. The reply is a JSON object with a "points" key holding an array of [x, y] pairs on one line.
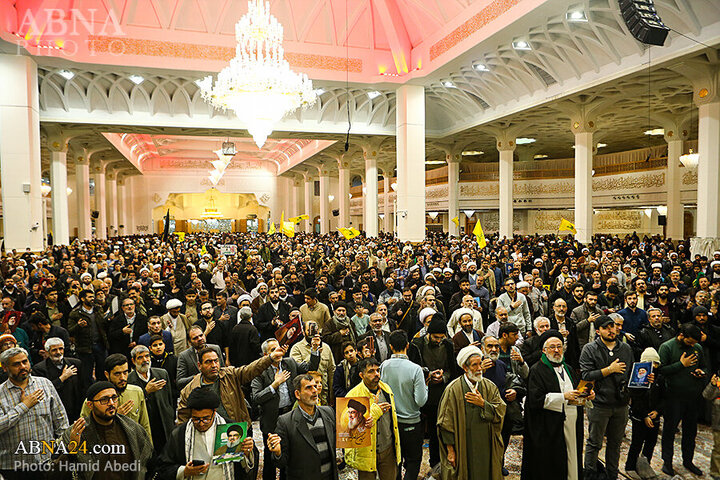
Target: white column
{"points": [[410, 140], [309, 194], [122, 207], [100, 204], [583, 186], [59, 196], [344, 196], [297, 197], [371, 197], [675, 224], [387, 221], [708, 200], [324, 202], [82, 193], [453, 161], [130, 183], [506, 147], [20, 169], [112, 204]]}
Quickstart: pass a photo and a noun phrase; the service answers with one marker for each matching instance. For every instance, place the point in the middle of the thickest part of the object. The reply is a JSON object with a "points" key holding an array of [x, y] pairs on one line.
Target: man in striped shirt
{"points": [[30, 411]]}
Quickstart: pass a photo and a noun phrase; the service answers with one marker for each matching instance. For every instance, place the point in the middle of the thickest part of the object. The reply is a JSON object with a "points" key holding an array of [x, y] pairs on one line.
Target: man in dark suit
{"points": [[272, 391], [187, 365], [531, 349], [304, 444], [272, 314], [126, 328], [64, 375], [467, 334], [159, 400], [244, 340], [39, 329], [381, 338]]}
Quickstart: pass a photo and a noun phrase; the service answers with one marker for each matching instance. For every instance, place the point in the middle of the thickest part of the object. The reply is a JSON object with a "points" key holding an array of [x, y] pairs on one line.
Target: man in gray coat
{"points": [[187, 366]]}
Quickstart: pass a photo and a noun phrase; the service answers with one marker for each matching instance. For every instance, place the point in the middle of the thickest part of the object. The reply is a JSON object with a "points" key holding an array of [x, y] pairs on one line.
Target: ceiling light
{"points": [[219, 165], [524, 141], [393, 186], [433, 215], [66, 74], [480, 67], [662, 210], [258, 84], [319, 91], [448, 84], [69, 191], [373, 94], [350, 195], [136, 79], [690, 160], [521, 45], [540, 156], [435, 162], [601, 145], [382, 216], [592, 172], [467, 153], [655, 131], [576, 16], [331, 198], [469, 213]]}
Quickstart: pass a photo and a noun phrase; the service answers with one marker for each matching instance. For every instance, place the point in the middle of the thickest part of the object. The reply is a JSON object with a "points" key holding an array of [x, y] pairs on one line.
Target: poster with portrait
{"points": [[353, 422], [229, 438], [10, 321], [639, 375], [289, 332], [585, 388]]}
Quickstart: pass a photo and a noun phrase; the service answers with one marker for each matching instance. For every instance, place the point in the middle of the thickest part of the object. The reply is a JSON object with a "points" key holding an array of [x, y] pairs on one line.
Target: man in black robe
{"points": [[553, 437]]}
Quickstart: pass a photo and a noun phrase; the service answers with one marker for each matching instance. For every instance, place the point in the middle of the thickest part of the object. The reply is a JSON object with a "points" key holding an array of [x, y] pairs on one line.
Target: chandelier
{"points": [[258, 84], [225, 156], [690, 160]]}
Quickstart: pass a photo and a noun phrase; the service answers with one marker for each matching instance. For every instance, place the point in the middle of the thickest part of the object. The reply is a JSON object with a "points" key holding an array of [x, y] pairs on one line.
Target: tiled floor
{"points": [[704, 444]]}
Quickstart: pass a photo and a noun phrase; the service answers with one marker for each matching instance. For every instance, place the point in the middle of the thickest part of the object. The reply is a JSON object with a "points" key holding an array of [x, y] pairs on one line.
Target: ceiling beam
{"points": [[397, 34]]}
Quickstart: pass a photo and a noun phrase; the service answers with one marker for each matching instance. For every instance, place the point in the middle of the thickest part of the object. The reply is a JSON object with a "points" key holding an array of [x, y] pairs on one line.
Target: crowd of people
{"points": [[151, 346]]}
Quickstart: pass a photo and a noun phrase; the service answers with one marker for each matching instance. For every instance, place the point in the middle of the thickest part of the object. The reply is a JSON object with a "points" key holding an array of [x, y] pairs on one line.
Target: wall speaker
{"points": [[336, 213], [662, 220], [95, 214], [643, 21]]}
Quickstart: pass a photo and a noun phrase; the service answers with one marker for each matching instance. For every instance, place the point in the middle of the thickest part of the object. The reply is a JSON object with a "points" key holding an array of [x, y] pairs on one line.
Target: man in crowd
{"points": [[188, 360], [126, 328], [470, 421], [86, 326], [585, 316], [272, 314], [302, 351], [517, 307], [63, 373]]}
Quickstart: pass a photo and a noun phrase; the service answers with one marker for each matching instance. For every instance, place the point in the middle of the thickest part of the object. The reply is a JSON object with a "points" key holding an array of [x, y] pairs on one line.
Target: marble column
{"points": [[101, 222], [388, 219], [59, 196], [410, 145], [82, 193], [324, 201], [112, 203], [453, 162], [20, 169], [708, 189], [122, 206], [309, 195], [673, 178], [506, 148], [371, 197], [584, 145], [344, 192]]}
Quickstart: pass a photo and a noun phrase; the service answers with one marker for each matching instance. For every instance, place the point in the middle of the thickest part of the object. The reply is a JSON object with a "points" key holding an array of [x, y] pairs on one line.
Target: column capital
{"points": [[57, 145], [454, 157], [111, 175], [343, 161], [505, 144], [582, 125]]}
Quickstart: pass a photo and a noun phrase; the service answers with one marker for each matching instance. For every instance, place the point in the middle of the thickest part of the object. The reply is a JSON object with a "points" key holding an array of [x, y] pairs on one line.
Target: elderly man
{"points": [[531, 349], [560, 321], [517, 308], [553, 436], [471, 413], [63, 373], [467, 334], [176, 324], [468, 303], [30, 410]]}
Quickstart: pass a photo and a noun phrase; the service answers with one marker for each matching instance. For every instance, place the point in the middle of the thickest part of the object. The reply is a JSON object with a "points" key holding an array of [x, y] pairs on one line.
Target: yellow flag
{"points": [[567, 226], [287, 228], [299, 218], [349, 233], [479, 235], [271, 230], [456, 221], [181, 236]]}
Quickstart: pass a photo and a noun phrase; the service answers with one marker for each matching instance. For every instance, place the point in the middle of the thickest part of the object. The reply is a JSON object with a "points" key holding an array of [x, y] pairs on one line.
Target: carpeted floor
{"points": [[703, 449]]}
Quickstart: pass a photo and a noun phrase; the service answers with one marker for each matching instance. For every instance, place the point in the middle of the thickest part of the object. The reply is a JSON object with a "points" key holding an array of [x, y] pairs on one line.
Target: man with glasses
{"points": [[131, 402], [188, 360], [30, 410], [517, 308], [104, 425], [155, 382], [126, 328], [180, 459]]}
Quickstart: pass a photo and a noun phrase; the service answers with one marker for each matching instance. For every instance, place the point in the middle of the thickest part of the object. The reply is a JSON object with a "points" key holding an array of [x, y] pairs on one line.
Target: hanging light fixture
{"points": [[469, 213], [690, 160], [433, 215], [258, 84]]}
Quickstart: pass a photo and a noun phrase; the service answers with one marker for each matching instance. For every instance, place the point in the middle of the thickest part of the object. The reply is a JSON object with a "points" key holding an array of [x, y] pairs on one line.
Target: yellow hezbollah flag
{"points": [[299, 218], [349, 233], [181, 236], [271, 230], [567, 226], [287, 228], [203, 250], [479, 235], [456, 221]]}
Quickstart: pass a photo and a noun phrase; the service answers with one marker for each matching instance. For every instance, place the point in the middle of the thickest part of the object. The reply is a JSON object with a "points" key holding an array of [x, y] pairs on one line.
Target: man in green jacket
{"points": [[684, 368]]}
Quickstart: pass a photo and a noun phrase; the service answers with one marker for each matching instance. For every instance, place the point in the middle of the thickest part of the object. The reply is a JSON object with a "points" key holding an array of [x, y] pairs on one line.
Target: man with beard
{"points": [[188, 360], [466, 335], [562, 323], [608, 363], [314, 310], [63, 373], [271, 390], [159, 358], [468, 305], [40, 329], [175, 325], [290, 446], [30, 410], [517, 307], [553, 436], [338, 331], [86, 326], [233, 445], [216, 331], [159, 400], [585, 316], [126, 328], [436, 354], [390, 295], [635, 317], [470, 423], [272, 315], [710, 337], [456, 299], [302, 351], [404, 312], [104, 424], [131, 402], [654, 334], [531, 349]]}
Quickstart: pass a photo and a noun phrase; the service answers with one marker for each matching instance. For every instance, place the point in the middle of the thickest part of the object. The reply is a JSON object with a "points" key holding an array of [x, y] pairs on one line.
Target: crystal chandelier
{"points": [[258, 84]]}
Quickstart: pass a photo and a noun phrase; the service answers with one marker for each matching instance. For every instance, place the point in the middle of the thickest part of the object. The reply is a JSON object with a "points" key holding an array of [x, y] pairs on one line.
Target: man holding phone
{"points": [[684, 367]]}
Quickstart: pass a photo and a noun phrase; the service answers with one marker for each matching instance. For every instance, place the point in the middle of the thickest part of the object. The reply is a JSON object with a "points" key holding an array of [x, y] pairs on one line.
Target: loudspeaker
{"points": [[643, 21], [662, 220], [95, 214], [336, 213]]}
